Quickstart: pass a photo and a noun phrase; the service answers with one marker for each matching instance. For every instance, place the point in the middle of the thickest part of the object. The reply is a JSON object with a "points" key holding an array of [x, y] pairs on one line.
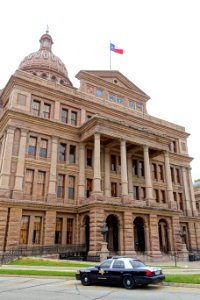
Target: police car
{"points": [[128, 272]]}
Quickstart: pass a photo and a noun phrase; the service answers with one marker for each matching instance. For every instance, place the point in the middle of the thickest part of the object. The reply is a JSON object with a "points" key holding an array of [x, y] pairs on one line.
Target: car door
{"points": [[102, 273], [116, 271]]}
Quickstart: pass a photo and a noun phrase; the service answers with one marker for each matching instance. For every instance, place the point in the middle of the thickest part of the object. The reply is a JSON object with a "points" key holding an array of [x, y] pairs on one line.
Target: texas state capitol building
{"points": [[74, 158]]}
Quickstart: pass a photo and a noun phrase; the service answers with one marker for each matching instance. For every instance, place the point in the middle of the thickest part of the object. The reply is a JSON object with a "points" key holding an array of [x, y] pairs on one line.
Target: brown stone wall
{"points": [[128, 232], [49, 228], [14, 227], [176, 234], [96, 222], [3, 226], [192, 235], [197, 225], [153, 232]]}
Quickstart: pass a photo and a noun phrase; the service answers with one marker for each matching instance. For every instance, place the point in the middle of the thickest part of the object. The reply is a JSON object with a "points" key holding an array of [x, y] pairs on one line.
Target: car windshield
{"points": [[136, 263], [106, 264]]}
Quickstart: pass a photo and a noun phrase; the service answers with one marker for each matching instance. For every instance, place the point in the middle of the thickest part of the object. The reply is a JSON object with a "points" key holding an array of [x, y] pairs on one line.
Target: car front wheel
{"points": [[85, 279], [128, 282]]}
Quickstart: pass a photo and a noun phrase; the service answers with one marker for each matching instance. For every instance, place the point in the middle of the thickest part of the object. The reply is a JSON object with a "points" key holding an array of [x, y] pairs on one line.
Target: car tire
{"points": [[128, 282], [85, 279]]}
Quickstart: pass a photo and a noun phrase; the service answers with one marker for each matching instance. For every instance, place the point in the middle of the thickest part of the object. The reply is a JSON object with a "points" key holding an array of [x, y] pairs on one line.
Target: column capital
{"points": [[10, 129]]}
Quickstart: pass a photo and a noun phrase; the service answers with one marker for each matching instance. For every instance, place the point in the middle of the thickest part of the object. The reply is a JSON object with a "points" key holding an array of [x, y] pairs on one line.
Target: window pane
{"points": [[36, 108], [64, 115], [47, 110], [72, 152], [24, 229], [73, 118], [37, 230], [62, 152]]}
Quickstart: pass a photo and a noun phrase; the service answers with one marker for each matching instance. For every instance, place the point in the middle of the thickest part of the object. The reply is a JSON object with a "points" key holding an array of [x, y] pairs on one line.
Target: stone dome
{"points": [[44, 63]]}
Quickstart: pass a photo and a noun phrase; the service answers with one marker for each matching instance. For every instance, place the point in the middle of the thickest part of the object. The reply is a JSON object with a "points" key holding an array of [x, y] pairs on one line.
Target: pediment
{"points": [[113, 77]]}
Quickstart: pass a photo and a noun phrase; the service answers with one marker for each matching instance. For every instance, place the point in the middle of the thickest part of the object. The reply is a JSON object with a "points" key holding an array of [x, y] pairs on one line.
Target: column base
{"points": [[51, 197], [172, 205], [5, 193], [17, 195], [97, 196], [150, 202]]}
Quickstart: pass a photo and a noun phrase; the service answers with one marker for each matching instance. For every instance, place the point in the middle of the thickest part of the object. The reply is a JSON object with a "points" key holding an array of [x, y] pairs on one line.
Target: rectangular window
{"points": [[32, 146], [113, 163], [71, 187], [134, 167], [64, 115], [154, 172], [72, 154], [143, 193], [111, 98], [24, 229], [43, 147], [113, 189], [131, 104], [62, 152], [177, 173], [162, 196], [175, 196], [58, 232], [74, 118], [36, 107], [29, 177], [160, 172], [69, 231], [172, 174], [47, 110], [141, 168], [60, 186], [180, 201], [89, 158], [156, 195], [37, 230], [136, 195], [89, 187], [41, 183]]}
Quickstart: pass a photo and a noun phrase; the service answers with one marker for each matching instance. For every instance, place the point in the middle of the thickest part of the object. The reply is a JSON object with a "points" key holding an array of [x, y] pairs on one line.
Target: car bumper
{"points": [[78, 276], [151, 280]]}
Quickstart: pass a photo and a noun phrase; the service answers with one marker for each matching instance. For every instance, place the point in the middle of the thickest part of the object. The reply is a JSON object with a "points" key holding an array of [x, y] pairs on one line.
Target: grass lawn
{"points": [[185, 278], [49, 263], [36, 273]]}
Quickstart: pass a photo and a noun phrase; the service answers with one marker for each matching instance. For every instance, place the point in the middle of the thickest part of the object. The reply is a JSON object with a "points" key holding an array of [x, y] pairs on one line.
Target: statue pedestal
{"points": [[104, 253], [184, 252]]}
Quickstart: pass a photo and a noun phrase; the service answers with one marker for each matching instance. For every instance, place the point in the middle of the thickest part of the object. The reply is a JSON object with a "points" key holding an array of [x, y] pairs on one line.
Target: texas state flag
{"points": [[116, 49]]}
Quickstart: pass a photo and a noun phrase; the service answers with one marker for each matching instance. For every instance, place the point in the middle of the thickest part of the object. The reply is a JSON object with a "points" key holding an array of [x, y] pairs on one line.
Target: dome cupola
{"points": [[44, 63]]}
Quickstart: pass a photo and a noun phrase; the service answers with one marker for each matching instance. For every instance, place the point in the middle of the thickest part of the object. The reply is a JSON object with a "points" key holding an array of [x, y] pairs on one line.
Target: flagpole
{"points": [[110, 56]]}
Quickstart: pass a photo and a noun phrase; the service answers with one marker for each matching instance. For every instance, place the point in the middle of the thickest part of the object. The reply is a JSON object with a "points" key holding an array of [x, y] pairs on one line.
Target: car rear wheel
{"points": [[128, 282], [85, 279]]}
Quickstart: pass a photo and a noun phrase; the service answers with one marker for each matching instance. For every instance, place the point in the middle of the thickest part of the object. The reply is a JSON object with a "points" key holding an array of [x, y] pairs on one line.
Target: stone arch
{"points": [[163, 235], [139, 234], [112, 222]]}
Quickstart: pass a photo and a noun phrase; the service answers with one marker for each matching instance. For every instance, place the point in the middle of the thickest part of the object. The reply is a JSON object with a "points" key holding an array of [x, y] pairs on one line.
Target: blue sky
{"points": [[160, 39]]}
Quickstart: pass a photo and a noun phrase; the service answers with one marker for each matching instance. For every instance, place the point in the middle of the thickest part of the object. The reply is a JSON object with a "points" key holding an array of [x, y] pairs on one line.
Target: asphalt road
{"points": [[28, 288]]}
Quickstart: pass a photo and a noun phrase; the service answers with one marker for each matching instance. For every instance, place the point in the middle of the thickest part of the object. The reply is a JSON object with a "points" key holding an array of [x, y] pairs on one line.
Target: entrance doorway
{"points": [[139, 234], [163, 236], [112, 236]]}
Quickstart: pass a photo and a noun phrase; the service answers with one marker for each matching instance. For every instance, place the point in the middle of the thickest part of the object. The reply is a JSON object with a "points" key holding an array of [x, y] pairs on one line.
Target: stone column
{"points": [[176, 234], [97, 219], [130, 176], [97, 165], [124, 180], [14, 226], [147, 238], [107, 182], [193, 201], [52, 177], [148, 182], [83, 115], [81, 182], [128, 234], [18, 188], [170, 197], [6, 163], [3, 225], [57, 111], [170, 240], [153, 233], [187, 195], [49, 228], [2, 150]]}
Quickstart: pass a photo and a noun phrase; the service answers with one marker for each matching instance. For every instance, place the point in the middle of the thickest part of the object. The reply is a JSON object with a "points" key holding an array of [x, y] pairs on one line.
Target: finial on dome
{"points": [[47, 30]]}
